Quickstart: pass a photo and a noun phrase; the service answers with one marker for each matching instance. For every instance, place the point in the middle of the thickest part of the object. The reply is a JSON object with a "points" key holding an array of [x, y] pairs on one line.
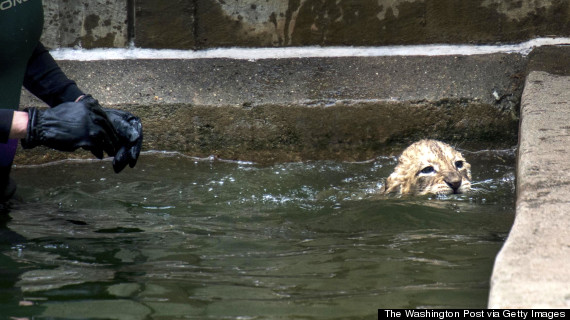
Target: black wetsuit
{"points": [[25, 61]]}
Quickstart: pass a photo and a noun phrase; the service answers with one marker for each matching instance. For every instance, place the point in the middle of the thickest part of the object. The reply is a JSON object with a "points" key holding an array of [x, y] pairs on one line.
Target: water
{"points": [[181, 238]]}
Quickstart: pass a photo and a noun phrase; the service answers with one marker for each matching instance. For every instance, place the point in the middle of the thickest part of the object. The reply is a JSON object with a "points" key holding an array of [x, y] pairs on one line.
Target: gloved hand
{"points": [[70, 126], [129, 131]]}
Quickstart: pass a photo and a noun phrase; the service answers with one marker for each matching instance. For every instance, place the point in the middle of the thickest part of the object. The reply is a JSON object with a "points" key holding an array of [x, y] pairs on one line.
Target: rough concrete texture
{"points": [[165, 24], [199, 24], [381, 22], [314, 108], [551, 59], [531, 271], [89, 24], [311, 81]]}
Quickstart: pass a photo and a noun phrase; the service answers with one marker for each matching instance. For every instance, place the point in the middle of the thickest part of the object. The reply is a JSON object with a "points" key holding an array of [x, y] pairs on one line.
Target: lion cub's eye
{"points": [[427, 170], [459, 164]]}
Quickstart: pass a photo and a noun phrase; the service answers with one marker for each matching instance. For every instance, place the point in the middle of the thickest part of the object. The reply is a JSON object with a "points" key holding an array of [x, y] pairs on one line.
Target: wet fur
{"points": [[451, 172]]}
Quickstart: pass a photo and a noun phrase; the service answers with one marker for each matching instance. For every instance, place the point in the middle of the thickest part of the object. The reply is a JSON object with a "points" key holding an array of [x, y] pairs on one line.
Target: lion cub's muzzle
{"points": [[453, 179]]}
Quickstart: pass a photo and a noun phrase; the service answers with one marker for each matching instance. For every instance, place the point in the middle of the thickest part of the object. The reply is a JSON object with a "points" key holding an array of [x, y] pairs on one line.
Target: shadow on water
{"points": [[179, 237]]}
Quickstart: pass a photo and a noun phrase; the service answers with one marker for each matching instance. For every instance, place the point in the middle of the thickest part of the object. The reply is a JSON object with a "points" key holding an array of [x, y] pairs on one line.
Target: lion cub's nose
{"points": [[453, 180]]}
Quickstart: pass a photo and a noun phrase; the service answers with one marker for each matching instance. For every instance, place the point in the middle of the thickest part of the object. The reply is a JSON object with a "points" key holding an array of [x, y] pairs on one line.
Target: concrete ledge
{"points": [[276, 110], [495, 79], [531, 271]]}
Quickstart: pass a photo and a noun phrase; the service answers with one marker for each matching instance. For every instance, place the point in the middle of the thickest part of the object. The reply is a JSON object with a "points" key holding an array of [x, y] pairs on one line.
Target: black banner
{"points": [[442, 314]]}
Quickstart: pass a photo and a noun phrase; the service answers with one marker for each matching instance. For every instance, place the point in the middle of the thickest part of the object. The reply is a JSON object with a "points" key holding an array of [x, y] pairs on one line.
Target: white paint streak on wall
{"points": [[304, 52]]}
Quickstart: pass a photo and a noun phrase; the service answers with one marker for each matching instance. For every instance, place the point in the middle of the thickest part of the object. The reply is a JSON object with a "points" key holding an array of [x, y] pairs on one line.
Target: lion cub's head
{"points": [[430, 166]]}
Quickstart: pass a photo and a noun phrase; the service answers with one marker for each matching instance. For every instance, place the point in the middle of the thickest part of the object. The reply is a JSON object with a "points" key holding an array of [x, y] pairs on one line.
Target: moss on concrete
{"points": [[342, 131]]}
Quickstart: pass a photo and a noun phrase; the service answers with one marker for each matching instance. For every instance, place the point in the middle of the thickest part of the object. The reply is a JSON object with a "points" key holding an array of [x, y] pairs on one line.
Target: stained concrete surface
{"points": [[87, 24], [531, 270], [312, 108], [215, 82], [199, 24]]}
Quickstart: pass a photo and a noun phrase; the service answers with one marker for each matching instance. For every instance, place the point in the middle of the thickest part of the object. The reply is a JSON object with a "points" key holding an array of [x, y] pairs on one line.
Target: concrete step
{"points": [[343, 108], [531, 271]]}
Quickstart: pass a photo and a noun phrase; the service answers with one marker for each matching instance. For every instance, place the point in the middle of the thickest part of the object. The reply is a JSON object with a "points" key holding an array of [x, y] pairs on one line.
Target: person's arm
{"points": [[47, 81], [19, 127], [70, 126], [13, 125]]}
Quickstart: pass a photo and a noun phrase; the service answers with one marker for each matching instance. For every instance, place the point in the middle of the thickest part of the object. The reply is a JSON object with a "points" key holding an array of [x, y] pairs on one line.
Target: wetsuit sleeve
{"points": [[5, 124], [47, 81]]}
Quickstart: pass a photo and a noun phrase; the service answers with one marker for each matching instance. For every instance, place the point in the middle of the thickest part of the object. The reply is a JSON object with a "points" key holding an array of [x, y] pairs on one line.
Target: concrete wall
{"points": [[87, 23], [298, 109], [196, 24]]}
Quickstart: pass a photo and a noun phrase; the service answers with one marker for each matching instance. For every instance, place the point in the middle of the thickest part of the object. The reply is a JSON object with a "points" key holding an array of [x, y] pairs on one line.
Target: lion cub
{"points": [[430, 166]]}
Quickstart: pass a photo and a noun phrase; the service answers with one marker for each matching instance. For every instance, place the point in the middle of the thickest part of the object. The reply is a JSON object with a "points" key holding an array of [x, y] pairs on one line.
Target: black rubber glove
{"points": [[129, 131], [70, 126]]}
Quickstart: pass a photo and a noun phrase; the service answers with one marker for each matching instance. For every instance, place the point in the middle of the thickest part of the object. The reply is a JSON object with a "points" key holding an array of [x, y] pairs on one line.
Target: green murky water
{"points": [[180, 238]]}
